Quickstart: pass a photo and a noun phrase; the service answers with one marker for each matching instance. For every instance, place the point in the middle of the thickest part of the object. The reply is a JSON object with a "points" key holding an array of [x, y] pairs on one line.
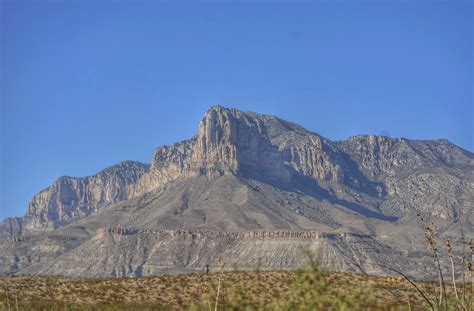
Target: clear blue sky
{"points": [[87, 84]]}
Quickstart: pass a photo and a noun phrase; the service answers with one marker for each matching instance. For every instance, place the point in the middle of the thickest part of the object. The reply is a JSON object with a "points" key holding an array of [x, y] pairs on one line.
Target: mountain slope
{"points": [[254, 188], [71, 198]]}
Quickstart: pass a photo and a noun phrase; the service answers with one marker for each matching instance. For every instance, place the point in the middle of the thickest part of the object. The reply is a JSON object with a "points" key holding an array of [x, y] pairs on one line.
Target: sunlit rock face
{"points": [[230, 141], [265, 147], [233, 141], [252, 187], [71, 198]]}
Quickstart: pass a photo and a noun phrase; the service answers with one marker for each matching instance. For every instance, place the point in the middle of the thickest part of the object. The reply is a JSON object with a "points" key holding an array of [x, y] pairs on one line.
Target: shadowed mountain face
{"points": [[254, 188]]}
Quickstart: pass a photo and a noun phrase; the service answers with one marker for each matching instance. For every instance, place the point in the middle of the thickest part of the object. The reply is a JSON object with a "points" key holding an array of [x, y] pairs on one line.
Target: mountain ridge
{"points": [[247, 171]]}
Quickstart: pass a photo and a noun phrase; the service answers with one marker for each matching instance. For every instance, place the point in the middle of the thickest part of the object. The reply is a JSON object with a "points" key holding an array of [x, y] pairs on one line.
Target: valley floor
{"points": [[274, 290]]}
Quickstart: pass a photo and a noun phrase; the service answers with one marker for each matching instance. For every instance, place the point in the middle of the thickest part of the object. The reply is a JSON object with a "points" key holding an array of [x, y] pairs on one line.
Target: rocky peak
{"points": [[71, 198], [262, 147], [176, 154], [215, 144], [232, 141], [168, 163], [442, 152], [378, 155]]}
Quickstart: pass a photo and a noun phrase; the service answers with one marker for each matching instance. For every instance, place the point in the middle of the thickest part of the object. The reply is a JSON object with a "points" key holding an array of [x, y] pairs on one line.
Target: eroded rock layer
{"points": [[253, 188]]}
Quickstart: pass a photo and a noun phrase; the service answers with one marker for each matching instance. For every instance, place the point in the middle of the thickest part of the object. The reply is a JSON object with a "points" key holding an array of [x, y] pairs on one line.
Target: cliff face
{"points": [[10, 226], [70, 198], [251, 144], [380, 156], [230, 141], [434, 178], [246, 174], [168, 163]]}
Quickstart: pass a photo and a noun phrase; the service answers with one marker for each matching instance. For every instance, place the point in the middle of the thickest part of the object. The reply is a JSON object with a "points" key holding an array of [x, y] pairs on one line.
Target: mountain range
{"points": [[256, 191]]}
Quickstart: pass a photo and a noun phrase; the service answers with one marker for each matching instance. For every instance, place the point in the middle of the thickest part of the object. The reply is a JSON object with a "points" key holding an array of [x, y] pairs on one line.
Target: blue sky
{"points": [[87, 84]]}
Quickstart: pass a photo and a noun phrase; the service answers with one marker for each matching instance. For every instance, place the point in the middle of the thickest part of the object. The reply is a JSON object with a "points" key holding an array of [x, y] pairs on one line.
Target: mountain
{"points": [[72, 198], [255, 190]]}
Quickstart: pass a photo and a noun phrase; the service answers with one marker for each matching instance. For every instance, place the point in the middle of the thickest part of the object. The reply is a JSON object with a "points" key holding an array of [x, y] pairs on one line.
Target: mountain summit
{"points": [[249, 188]]}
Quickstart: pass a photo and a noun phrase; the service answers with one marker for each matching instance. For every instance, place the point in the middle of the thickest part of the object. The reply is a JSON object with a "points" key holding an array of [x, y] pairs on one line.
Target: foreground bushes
{"points": [[309, 289]]}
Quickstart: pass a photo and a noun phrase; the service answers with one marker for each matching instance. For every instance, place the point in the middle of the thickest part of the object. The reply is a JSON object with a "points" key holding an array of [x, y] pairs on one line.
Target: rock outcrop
{"points": [[430, 177], [70, 198], [11, 226], [247, 186], [230, 141]]}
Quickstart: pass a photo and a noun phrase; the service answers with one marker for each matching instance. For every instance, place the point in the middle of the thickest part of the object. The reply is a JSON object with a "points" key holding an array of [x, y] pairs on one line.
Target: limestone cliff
{"points": [[247, 185], [268, 148], [248, 144], [71, 198], [430, 177], [233, 141]]}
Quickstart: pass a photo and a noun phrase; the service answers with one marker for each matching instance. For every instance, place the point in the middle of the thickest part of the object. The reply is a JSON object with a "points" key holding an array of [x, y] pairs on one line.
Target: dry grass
{"points": [[252, 289]]}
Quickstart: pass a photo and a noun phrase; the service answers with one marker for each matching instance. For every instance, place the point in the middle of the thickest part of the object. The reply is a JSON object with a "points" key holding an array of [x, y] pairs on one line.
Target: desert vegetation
{"points": [[310, 289], [454, 292]]}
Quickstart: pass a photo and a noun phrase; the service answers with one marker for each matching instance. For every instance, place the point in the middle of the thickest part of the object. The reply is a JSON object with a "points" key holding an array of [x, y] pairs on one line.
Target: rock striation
{"points": [[230, 141], [71, 198], [254, 188]]}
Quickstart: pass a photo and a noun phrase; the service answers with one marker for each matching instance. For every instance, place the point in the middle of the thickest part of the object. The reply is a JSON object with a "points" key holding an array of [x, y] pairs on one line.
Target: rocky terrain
{"points": [[253, 189], [72, 198]]}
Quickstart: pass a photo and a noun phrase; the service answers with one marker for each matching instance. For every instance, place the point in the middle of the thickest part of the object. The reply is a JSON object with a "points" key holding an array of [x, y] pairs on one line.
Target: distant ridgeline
{"points": [[254, 188]]}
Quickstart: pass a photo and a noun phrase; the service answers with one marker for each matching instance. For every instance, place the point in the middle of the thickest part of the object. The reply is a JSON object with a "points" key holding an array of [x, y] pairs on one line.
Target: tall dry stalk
{"points": [[450, 256], [470, 268], [221, 273], [466, 265], [423, 294], [8, 298], [463, 261], [203, 288], [429, 234], [443, 301]]}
